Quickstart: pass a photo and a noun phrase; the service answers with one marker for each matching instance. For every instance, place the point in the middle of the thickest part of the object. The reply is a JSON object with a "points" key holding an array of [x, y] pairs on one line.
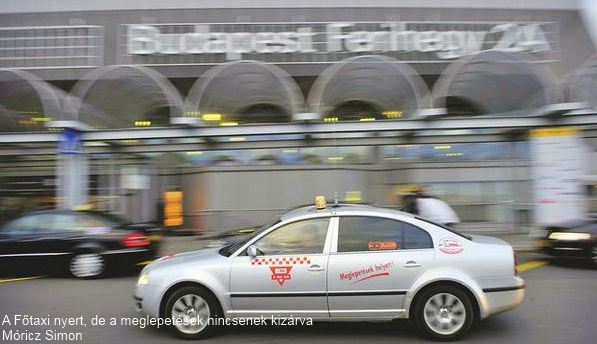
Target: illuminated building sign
{"points": [[173, 208], [330, 42]]}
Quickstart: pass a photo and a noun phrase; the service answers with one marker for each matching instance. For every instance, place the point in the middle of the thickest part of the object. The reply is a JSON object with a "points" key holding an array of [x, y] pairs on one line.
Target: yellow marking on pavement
{"points": [[530, 265], [145, 262], [6, 280]]}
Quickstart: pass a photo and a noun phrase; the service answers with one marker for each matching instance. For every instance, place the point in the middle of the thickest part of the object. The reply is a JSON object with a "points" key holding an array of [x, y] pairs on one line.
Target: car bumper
{"points": [[500, 299], [567, 249], [147, 300]]}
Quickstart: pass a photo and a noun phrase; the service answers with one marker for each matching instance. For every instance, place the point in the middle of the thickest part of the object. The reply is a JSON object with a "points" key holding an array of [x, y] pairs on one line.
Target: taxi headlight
{"points": [[143, 278], [569, 236]]}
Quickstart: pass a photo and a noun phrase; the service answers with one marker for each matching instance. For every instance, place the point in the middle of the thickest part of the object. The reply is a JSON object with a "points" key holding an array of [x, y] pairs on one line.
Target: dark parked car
{"points": [[574, 239], [84, 243]]}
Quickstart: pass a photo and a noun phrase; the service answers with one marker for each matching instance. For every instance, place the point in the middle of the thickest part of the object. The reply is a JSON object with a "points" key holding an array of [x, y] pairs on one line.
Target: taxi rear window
{"points": [[370, 233], [449, 229]]}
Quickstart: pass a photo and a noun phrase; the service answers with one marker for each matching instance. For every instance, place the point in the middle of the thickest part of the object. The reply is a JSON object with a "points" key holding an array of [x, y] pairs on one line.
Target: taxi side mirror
{"points": [[252, 251]]}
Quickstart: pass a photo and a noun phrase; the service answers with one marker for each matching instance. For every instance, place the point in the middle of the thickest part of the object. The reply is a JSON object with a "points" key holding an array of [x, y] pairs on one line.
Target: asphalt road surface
{"points": [[560, 307]]}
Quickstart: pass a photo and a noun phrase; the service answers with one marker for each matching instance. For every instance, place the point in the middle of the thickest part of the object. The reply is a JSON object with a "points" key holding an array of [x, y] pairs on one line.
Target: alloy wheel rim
{"points": [[193, 311], [87, 265], [444, 313], [594, 255]]}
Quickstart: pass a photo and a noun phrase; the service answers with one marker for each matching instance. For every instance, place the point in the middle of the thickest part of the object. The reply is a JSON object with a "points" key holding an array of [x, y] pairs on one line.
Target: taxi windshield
{"points": [[230, 249]]}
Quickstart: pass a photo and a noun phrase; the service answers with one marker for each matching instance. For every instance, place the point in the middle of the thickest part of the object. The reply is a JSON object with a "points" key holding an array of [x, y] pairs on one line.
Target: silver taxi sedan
{"points": [[337, 263]]}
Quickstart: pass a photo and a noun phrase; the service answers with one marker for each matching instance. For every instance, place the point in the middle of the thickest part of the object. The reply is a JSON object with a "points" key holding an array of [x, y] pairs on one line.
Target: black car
{"points": [[82, 243], [573, 239]]}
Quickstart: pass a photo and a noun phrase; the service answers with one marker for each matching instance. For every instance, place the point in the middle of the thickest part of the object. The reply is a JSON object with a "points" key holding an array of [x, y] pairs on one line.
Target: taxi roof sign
{"points": [[320, 202], [83, 207]]}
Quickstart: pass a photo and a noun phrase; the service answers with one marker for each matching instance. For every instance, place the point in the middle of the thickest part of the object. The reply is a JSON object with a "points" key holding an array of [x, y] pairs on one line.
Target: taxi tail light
{"points": [[135, 239], [515, 263]]}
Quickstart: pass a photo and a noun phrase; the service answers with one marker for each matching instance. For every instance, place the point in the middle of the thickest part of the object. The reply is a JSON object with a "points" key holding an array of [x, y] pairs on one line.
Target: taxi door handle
{"points": [[315, 267], [411, 264]]}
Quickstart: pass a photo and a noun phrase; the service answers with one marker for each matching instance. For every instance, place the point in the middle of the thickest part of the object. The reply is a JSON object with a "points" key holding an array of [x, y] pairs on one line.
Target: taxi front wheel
{"points": [[443, 313], [193, 311]]}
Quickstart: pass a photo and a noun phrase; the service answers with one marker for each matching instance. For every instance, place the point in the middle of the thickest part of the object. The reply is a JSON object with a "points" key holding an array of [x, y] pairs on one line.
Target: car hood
{"points": [[204, 255]]}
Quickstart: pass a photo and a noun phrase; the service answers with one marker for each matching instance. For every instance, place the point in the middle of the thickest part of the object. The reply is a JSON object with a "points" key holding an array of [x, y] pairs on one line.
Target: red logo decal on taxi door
{"points": [[280, 267], [281, 274]]}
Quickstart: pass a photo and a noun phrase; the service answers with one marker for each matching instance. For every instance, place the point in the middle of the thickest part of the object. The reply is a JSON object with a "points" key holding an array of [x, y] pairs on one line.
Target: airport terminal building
{"points": [[252, 109]]}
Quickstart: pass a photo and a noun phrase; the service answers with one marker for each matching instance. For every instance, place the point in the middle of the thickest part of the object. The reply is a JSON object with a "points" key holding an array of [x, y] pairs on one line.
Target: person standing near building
{"points": [[435, 209], [417, 202]]}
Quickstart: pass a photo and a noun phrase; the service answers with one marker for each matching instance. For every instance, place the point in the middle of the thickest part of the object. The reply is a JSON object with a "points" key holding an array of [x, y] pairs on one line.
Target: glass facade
{"points": [[486, 151], [479, 201], [282, 156], [51, 47], [483, 151]]}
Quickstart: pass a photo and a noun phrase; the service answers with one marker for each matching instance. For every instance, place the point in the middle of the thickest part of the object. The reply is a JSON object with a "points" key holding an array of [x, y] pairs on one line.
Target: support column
{"points": [[559, 156], [72, 170]]}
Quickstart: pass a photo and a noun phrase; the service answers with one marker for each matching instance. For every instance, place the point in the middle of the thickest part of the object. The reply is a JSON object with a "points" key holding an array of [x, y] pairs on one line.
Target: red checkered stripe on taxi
{"points": [[280, 261]]}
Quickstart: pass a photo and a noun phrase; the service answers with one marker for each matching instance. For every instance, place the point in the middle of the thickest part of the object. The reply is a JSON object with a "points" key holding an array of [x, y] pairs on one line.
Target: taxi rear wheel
{"points": [[444, 313], [192, 310]]}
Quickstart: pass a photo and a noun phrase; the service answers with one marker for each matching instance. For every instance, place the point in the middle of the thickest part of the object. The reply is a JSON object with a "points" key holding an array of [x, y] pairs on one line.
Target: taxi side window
{"points": [[23, 225], [302, 237], [365, 233], [90, 221], [415, 237], [57, 223]]}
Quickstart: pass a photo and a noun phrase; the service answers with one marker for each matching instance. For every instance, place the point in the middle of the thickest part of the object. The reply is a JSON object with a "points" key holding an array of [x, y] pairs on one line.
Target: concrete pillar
{"points": [[72, 169], [73, 179]]}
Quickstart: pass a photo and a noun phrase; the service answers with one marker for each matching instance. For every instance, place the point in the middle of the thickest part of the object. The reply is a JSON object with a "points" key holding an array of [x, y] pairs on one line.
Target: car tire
{"points": [[443, 313], [87, 265], [594, 256], [192, 302]]}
